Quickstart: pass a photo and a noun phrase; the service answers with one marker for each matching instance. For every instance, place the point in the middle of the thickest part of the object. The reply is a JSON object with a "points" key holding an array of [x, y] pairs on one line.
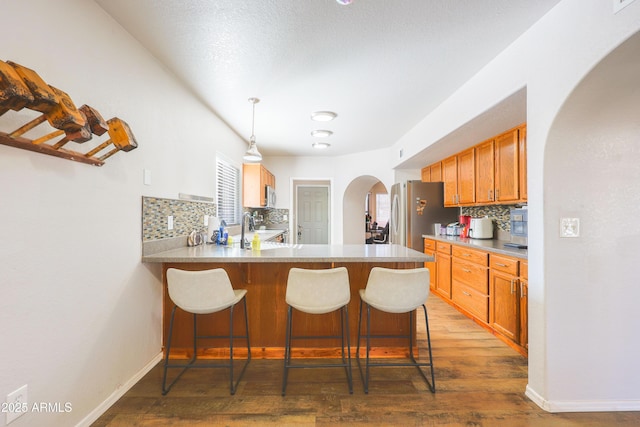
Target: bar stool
{"points": [[204, 292], [395, 291], [318, 292]]}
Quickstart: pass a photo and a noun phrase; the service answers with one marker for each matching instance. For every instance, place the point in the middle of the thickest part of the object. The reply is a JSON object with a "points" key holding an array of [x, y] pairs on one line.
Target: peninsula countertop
{"points": [[289, 253]]}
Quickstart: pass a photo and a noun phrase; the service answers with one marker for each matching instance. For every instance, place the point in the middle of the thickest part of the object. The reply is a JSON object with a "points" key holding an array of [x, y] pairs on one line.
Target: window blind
{"points": [[228, 191]]}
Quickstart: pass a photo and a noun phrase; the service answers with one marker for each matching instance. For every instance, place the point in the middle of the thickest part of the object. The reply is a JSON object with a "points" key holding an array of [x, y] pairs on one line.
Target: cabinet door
{"points": [[450, 178], [443, 278], [485, 172], [252, 190], [522, 160], [436, 172], [503, 312], [425, 174], [524, 300], [430, 249], [507, 173], [466, 177]]}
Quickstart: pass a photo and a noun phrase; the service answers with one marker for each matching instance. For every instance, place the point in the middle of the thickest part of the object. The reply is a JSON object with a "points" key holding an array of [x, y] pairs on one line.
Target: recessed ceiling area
{"points": [[382, 66]]}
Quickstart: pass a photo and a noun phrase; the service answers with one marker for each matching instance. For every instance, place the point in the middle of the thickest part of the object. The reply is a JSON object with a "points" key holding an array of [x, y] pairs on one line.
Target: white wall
{"points": [[550, 59], [80, 315], [592, 173]]}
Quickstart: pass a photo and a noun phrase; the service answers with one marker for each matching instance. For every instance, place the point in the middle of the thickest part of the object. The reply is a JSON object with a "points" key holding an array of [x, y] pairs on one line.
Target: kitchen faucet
{"points": [[244, 244]]}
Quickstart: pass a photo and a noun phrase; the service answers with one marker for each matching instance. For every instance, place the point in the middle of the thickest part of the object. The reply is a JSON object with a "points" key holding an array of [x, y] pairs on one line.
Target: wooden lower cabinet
{"points": [[430, 249], [488, 287], [443, 268], [524, 304], [508, 315], [469, 281]]}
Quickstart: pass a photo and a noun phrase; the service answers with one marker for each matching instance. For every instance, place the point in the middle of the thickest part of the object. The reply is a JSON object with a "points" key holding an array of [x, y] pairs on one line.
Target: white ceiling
{"points": [[381, 65]]}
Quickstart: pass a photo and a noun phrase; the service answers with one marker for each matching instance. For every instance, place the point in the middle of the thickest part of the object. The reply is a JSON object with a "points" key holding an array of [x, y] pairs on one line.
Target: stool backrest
{"points": [[200, 291], [318, 291], [397, 291]]}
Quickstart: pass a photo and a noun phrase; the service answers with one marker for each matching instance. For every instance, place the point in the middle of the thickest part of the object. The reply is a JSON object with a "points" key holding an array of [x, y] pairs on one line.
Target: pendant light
{"points": [[252, 154]]}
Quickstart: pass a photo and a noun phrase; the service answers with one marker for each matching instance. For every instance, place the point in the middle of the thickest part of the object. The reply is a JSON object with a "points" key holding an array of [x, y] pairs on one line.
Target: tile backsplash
{"points": [[498, 213], [187, 216]]}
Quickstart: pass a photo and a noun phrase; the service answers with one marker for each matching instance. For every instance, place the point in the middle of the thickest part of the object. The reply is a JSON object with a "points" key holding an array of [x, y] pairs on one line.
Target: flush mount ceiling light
{"points": [[320, 145], [344, 2], [323, 116], [321, 133], [252, 154]]}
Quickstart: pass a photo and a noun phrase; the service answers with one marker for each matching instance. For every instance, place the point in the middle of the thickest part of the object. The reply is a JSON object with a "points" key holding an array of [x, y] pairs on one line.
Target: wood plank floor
{"points": [[480, 382]]}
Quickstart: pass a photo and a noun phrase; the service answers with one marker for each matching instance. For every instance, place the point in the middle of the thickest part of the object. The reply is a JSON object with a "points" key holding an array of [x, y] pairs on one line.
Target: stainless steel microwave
{"points": [[269, 197]]}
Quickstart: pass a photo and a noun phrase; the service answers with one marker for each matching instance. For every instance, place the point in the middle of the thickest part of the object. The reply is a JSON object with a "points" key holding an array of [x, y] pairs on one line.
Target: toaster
{"points": [[481, 228]]}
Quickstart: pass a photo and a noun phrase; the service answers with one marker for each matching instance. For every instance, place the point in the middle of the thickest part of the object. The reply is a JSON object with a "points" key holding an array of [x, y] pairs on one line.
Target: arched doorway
{"points": [[353, 208]]}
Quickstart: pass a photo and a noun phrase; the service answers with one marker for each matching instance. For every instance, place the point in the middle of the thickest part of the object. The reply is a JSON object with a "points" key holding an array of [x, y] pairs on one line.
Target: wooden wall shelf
{"points": [[21, 87]]}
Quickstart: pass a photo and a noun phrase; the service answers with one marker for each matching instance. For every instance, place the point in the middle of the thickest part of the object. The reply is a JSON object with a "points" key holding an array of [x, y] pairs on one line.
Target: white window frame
{"points": [[228, 191]]}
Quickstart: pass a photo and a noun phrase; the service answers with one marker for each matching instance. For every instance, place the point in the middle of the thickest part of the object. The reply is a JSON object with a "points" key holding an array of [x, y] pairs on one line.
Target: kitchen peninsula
{"points": [[264, 274]]}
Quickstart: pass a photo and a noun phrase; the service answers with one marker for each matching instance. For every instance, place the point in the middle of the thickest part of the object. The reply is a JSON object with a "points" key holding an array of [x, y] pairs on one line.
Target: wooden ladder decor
{"points": [[21, 87]]}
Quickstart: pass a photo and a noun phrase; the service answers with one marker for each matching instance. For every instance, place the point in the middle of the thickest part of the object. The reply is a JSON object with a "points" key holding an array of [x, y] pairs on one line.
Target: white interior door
{"points": [[313, 215]]}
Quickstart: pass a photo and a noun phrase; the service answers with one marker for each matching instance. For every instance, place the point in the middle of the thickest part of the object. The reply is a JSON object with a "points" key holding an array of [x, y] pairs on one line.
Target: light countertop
{"points": [[285, 252], [493, 245]]}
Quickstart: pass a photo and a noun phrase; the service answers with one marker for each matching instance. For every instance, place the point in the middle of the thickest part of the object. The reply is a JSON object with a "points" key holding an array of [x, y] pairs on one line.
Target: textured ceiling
{"points": [[382, 65]]}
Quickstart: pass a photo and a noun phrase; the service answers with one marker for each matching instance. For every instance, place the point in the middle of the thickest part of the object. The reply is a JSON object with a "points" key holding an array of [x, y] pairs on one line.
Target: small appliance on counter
{"points": [[519, 229], [481, 228], [465, 222], [453, 229]]}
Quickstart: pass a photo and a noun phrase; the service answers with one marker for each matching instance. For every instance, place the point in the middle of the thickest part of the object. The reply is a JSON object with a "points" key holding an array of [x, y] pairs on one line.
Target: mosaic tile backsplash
{"points": [[498, 213], [272, 218], [187, 216]]}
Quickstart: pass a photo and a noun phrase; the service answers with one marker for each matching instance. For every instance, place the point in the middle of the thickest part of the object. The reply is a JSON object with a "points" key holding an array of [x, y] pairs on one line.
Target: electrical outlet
{"points": [[206, 220], [17, 403], [170, 222]]}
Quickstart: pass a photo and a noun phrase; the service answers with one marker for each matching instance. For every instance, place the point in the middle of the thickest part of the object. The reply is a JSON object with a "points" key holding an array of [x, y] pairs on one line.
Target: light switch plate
{"points": [[569, 227]]}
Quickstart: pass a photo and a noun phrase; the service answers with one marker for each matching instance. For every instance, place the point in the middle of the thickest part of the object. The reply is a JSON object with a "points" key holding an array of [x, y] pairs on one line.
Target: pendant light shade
{"points": [[252, 154]]}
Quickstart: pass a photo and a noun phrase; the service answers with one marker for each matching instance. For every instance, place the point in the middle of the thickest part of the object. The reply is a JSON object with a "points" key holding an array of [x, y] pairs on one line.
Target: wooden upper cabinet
{"points": [[255, 178], [522, 154], [436, 172], [425, 174], [507, 187], [485, 174], [492, 172], [431, 173], [450, 178], [466, 177]]}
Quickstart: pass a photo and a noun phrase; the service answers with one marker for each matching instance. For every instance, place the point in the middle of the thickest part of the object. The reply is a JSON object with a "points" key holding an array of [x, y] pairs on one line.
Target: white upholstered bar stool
{"points": [[205, 292], [318, 292], [395, 291]]}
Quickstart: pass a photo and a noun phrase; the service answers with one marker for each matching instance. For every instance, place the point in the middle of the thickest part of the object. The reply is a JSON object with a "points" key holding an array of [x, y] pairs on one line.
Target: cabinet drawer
{"points": [[524, 270], [472, 255], [505, 264], [429, 245], [471, 300], [443, 247], [470, 274]]}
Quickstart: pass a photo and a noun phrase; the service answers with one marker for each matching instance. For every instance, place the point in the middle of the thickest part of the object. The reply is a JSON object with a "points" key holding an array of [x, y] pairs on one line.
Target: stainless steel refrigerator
{"points": [[415, 207]]}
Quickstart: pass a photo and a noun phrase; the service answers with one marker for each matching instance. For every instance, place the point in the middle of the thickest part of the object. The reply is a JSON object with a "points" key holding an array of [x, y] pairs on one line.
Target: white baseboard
{"points": [[582, 405], [117, 394]]}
